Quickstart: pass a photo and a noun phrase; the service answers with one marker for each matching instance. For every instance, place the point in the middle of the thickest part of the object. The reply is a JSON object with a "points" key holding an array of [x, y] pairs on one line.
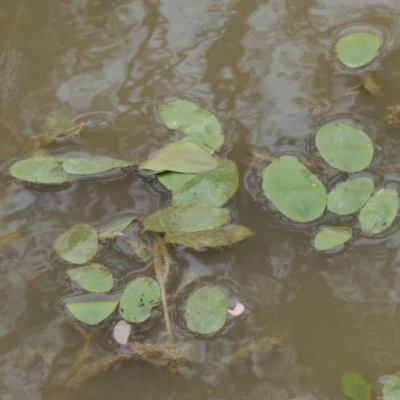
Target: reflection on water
{"points": [[267, 70]]}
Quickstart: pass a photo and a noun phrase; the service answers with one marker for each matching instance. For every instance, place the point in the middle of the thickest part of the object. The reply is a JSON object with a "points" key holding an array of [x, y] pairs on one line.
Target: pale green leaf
{"points": [[356, 386], [332, 236], [93, 165], [174, 180], [391, 388], [92, 312], [93, 277]]}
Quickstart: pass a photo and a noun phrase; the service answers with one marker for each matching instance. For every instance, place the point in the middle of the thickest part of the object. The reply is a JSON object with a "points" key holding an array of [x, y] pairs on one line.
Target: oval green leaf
{"points": [[114, 230], [185, 116], [344, 147], [348, 197], [138, 299], [192, 218], [356, 386], [391, 388], [357, 49], [379, 212], [93, 277], [214, 187], [94, 165], [206, 141], [92, 312], [332, 236], [206, 310], [181, 157], [174, 180], [78, 245], [294, 190], [45, 170]]}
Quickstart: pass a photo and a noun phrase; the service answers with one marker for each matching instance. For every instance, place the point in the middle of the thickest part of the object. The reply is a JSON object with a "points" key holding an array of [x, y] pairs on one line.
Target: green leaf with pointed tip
{"points": [[92, 312], [348, 197], [356, 386], [181, 157], [185, 116], [192, 218], [78, 245], [59, 122], [218, 237], [93, 165], [294, 190], [379, 212], [214, 187], [391, 388], [344, 147], [174, 180], [206, 310], [45, 170], [93, 277], [115, 230], [332, 236], [358, 49], [138, 299], [206, 141], [139, 248]]}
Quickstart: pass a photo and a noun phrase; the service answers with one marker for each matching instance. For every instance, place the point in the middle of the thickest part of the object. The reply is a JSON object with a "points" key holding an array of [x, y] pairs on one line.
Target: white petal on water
{"points": [[239, 308], [122, 331]]}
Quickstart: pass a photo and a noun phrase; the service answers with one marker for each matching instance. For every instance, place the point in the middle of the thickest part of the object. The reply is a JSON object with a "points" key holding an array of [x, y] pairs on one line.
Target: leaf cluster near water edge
{"points": [[344, 147], [294, 190], [138, 299], [332, 236], [219, 237], [78, 245], [358, 49], [379, 212], [356, 386], [206, 310], [348, 197], [214, 187], [181, 157], [191, 218], [45, 170], [391, 388], [114, 230], [92, 312], [93, 165], [93, 277]]}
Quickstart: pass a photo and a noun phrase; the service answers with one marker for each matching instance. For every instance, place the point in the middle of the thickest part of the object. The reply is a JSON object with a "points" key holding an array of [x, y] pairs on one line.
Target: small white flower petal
{"points": [[239, 308], [122, 330]]}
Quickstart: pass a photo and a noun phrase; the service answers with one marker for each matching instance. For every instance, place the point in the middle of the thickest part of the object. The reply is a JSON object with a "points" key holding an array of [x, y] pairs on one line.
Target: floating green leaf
{"points": [[93, 277], [206, 310], [181, 157], [78, 245], [350, 196], [379, 212], [138, 298], [332, 236], [46, 170], [294, 190], [174, 180], [356, 386], [344, 147], [391, 388], [214, 187], [219, 237], [114, 230], [93, 165], [206, 141], [357, 49], [185, 116], [59, 122], [139, 248], [192, 218], [92, 312]]}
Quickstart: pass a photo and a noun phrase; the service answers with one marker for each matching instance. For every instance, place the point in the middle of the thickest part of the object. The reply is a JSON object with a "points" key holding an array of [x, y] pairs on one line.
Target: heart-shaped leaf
{"points": [[294, 190], [93, 277], [391, 388], [92, 312], [93, 165], [356, 386], [332, 236]]}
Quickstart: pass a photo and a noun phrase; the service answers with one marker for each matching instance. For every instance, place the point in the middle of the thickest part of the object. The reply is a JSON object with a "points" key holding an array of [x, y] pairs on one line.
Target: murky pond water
{"points": [[267, 70]]}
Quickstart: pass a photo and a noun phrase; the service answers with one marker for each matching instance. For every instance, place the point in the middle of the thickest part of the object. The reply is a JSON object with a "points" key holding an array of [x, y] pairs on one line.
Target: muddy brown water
{"points": [[267, 70]]}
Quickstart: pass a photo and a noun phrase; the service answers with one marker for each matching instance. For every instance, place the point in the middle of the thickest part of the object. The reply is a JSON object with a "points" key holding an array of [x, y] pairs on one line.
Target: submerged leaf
{"points": [[94, 165], [206, 141], [348, 197], [332, 236], [379, 212], [181, 157], [344, 147], [192, 218], [174, 180], [357, 49], [356, 386], [391, 388], [185, 116], [92, 312], [93, 277], [138, 298], [219, 237], [206, 310], [115, 230], [78, 245], [139, 248], [46, 170], [294, 190]]}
